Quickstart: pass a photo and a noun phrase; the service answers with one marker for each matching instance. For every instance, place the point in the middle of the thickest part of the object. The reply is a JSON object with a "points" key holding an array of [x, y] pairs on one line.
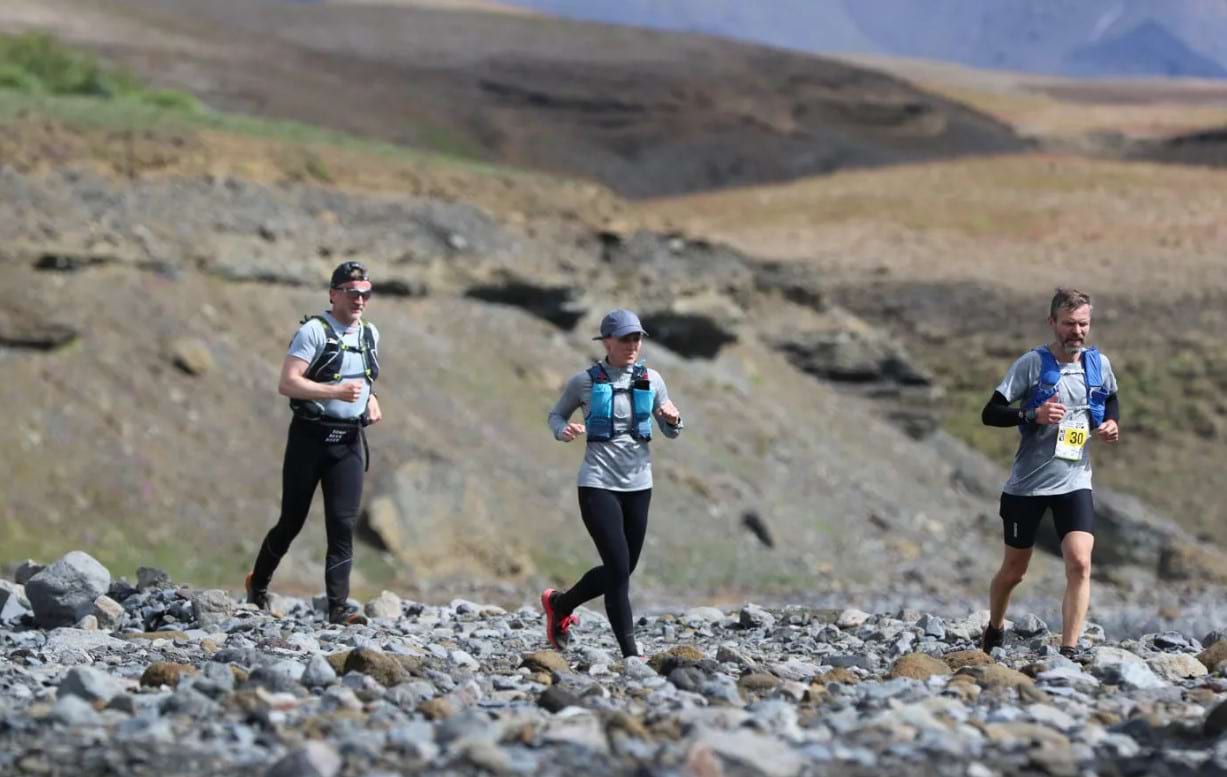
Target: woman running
{"points": [[619, 397]]}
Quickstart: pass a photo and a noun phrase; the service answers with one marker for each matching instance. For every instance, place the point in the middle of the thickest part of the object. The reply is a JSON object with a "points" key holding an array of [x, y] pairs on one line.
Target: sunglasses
{"points": [[356, 293]]}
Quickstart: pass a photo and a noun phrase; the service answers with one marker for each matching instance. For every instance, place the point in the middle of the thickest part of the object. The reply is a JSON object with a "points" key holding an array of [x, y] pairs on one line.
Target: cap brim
{"points": [[623, 332]]}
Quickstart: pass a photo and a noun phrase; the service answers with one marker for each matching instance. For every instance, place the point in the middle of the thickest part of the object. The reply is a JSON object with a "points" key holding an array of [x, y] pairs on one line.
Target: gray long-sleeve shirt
{"points": [[623, 463]]}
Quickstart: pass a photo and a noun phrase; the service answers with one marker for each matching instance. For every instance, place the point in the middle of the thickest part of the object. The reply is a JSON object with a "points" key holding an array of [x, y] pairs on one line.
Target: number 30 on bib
{"points": [[1071, 439]]}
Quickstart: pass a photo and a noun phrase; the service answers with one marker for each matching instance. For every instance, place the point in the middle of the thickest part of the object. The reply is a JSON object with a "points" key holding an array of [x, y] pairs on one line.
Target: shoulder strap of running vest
{"points": [[1050, 375], [327, 365], [642, 400], [1046, 386], [599, 421], [1096, 397], [370, 353]]}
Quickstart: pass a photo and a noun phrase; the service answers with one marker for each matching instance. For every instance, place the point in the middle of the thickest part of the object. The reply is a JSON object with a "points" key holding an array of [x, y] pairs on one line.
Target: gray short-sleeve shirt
{"points": [[1037, 471], [622, 463], [308, 344]]}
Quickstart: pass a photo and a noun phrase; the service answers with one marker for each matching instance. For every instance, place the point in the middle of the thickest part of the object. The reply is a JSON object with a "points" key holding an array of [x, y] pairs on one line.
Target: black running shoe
{"points": [[1072, 652], [257, 597], [992, 638], [346, 615]]}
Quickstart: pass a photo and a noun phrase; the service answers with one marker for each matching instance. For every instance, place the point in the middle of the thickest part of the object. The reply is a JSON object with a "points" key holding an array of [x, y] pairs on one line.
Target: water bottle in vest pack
{"points": [[600, 418]]}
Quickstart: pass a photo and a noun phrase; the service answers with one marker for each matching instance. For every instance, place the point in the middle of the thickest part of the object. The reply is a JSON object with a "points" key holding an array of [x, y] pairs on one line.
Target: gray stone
{"points": [[415, 739], [1067, 677], [108, 612], [63, 640], [386, 605], [1216, 721], [93, 685], [1175, 667], [868, 662], [191, 355], [212, 608], [72, 710], [26, 570], [1030, 625], [851, 618], [757, 754], [151, 577], [189, 702], [557, 698], [703, 615], [13, 590], [319, 673], [64, 592], [215, 680], [754, 617], [313, 759], [1051, 716], [1104, 656], [1130, 675], [14, 608], [278, 677], [1172, 640], [932, 626], [721, 688]]}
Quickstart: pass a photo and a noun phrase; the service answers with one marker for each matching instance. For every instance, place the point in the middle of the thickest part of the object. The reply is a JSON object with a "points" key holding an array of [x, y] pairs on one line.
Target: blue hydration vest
{"points": [[1050, 375], [600, 413]]}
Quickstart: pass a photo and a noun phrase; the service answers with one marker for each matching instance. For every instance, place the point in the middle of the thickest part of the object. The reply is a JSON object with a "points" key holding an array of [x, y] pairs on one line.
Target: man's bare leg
{"points": [[1076, 550], [1013, 566]]}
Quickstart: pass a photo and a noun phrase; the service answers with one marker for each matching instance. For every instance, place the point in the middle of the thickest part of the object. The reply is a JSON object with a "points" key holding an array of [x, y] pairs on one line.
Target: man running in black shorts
{"points": [[1067, 395]]}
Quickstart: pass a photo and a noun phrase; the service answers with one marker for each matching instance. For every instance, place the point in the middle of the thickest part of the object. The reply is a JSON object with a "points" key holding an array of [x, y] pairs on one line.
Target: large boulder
{"points": [[845, 349], [65, 592]]}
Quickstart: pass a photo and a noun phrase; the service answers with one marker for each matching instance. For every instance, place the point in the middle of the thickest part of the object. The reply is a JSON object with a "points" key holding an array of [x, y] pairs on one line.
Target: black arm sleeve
{"points": [[1111, 409], [998, 412]]}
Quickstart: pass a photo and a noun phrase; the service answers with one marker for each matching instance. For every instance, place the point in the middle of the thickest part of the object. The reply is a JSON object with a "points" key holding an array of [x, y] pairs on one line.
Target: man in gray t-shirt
{"points": [[328, 374], [1067, 398]]}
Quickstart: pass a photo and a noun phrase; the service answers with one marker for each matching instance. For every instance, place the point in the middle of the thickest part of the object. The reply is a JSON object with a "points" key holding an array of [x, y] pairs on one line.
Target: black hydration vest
{"points": [[327, 366]]}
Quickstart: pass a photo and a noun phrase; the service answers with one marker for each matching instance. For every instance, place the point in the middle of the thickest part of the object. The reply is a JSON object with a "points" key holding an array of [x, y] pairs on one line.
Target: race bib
{"points": [[1072, 435]]}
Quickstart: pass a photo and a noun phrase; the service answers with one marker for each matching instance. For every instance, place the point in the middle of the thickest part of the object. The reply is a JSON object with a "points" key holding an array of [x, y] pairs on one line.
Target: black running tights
{"points": [[618, 522], [309, 462]]}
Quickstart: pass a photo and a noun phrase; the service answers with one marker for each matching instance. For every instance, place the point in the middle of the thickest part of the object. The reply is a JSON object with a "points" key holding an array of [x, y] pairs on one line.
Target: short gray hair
{"points": [[1068, 299]]}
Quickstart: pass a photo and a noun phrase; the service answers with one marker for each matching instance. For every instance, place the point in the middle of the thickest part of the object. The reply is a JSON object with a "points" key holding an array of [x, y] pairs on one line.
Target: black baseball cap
{"points": [[348, 271]]}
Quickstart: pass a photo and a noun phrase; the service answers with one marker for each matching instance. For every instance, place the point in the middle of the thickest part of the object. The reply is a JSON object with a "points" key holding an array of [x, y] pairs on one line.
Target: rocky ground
{"points": [[100, 676]]}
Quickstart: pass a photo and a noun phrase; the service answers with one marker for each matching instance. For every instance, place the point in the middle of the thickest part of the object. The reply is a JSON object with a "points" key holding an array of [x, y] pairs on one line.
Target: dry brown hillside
{"points": [[820, 335], [959, 259], [644, 113]]}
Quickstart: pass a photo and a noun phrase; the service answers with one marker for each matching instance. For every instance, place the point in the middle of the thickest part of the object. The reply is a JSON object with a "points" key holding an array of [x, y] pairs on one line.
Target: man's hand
{"points": [[669, 412], [1051, 412], [571, 431], [373, 413], [348, 391], [1108, 431]]}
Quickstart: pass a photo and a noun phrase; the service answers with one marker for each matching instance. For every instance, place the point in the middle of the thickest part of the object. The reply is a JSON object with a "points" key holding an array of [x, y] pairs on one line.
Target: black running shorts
{"points": [[1021, 515]]}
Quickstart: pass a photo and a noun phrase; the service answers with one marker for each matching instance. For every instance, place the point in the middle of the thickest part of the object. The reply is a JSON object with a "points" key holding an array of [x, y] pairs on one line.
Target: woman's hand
{"points": [[571, 431], [669, 413]]}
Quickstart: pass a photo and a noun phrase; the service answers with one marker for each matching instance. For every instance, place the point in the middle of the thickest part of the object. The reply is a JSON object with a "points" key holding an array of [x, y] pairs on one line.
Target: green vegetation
{"points": [[38, 64], [42, 76]]}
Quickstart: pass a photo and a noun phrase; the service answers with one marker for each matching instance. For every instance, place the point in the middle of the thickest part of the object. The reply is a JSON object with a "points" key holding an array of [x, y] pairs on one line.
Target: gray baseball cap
{"points": [[619, 323]]}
